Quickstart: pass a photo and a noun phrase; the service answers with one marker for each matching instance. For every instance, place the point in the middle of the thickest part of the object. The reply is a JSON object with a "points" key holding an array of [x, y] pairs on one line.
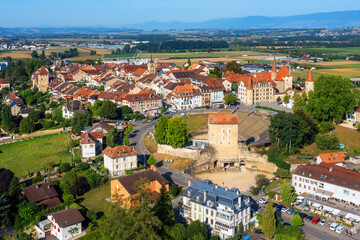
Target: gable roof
{"points": [[283, 72], [91, 137], [333, 157], [39, 192], [330, 173], [184, 90], [129, 182], [43, 71], [223, 118], [120, 151], [74, 105], [138, 72], [67, 217], [102, 124], [143, 95]]}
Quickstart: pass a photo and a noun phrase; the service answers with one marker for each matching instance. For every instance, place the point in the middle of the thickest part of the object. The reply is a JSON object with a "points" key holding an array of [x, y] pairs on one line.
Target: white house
{"points": [[119, 159], [70, 107], [327, 181], [337, 158], [220, 208], [64, 224], [91, 144]]}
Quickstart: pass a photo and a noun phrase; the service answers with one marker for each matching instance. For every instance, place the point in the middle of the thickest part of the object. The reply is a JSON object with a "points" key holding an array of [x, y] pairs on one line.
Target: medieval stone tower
{"points": [[43, 79], [151, 66], [309, 83]]}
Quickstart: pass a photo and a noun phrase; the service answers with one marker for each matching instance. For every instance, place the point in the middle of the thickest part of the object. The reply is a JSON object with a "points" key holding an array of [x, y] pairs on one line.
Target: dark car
{"points": [[309, 218], [303, 215], [258, 231], [279, 207], [275, 204]]}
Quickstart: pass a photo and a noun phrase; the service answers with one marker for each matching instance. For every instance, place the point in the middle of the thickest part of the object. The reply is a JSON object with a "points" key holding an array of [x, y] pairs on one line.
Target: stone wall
{"points": [[188, 152], [255, 161]]}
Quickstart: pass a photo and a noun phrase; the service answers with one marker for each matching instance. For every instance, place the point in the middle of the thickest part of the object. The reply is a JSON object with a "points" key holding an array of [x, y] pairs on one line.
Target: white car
{"points": [[323, 222], [333, 226], [340, 229], [285, 209], [262, 200]]}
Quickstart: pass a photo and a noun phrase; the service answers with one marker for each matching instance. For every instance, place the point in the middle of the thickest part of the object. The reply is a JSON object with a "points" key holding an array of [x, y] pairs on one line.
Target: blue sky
{"points": [[116, 13]]}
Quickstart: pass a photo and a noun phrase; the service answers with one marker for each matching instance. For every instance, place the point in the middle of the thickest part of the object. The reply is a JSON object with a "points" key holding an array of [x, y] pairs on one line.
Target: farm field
{"points": [[338, 51], [31, 155]]}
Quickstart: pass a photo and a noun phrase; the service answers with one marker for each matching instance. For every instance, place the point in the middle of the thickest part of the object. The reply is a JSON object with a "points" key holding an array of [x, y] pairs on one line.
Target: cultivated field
{"points": [[32, 155]]}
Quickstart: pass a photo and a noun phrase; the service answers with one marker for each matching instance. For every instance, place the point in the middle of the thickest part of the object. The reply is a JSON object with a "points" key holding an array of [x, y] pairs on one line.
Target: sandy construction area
{"points": [[241, 180]]}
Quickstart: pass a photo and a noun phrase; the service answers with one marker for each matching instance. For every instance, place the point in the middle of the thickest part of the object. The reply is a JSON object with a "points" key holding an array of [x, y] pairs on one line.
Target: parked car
{"points": [[172, 110], [297, 213], [275, 204], [315, 220], [279, 207], [263, 200], [340, 229], [323, 222], [183, 114], [285, 209], [291, 211], [333, 226], [258, 231], [303, 215], [309, 218]]}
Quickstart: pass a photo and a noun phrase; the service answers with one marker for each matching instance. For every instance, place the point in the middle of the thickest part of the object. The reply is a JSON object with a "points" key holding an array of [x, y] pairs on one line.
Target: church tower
{"points": [[151, 66], [273, 71], [309, 83]]}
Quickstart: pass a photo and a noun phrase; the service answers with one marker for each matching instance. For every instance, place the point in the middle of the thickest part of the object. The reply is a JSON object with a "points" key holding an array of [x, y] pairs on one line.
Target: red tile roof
{"points": [[223, 118], [143, 95], [274, 66], [91, 137], [283, 72], [330, 173], [43, 71], [185, 90], [120, 151], [138, 72], [333, 157], [84, 92]]}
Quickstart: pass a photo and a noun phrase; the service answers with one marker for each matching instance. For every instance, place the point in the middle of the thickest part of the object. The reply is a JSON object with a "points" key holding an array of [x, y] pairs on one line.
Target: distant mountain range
{"points": [[341, 19], [328, 20]]}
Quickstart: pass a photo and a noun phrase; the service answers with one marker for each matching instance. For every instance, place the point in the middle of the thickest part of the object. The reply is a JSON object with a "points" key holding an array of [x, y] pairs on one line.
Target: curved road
{"points": [[171, 174]]}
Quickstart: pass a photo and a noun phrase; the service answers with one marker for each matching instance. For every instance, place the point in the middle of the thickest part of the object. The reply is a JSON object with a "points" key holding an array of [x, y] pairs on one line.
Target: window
{"points": [[321, 185], [346, 192]]}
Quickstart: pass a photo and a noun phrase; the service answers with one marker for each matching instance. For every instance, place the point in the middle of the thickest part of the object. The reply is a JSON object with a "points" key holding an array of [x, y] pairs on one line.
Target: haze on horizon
{"points": [[119, 13]]}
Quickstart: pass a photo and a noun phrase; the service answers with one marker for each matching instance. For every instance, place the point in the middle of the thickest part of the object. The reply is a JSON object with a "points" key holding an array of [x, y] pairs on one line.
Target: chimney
{"points": [[49, 186], [239, 200], [330, 169], [223, 184], [37, 185], [204, 195], [188, 182]]}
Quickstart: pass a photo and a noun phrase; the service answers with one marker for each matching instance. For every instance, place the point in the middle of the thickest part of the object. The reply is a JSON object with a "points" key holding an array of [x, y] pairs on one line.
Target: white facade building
{"points": [[66, 223], [91, 144], [119, 159], [220, 208], [327, 181]]}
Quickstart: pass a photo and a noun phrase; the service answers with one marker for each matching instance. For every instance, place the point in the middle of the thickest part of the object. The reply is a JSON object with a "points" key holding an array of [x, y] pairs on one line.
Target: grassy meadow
{"points": [[31, 155]]}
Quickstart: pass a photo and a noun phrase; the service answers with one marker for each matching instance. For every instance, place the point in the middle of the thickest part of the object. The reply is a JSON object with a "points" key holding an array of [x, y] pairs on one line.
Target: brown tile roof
{"points": [[90, 137], [143, 95], [330, 173], [119, 151], [333, 157], [74, 105], [129, 182], [50, 203], [223, 118], [39, 192], [43, 71], [5, 80], [67, 217], [103, 125], [133, 68], [108, 95]]}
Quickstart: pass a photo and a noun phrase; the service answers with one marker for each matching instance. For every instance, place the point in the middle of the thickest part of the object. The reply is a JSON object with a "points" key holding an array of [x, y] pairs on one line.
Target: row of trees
{"points": [[173, 132], [72, 52], [171, 45]]}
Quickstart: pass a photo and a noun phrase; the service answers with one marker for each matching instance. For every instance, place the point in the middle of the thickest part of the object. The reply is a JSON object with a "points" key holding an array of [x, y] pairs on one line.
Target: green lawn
{"points": [[338, 51], [125, 55], [32, 155], [95, 199], [197, 122]]}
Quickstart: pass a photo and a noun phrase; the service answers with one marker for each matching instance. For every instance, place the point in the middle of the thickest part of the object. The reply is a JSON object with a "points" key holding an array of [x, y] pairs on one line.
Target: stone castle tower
{"points": [[309, 83], [273, 70], [43, 79]]}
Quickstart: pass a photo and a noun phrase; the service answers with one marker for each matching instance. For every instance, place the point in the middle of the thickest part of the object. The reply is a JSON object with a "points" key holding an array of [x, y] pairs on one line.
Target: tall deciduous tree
{"points": [[108, 110], [178, 232], [81, 120], [297, 220], [233, 66], [287, 193], [197, 228], [177, 133], [331, 99], [27, 125], [161, 129], [230, 98], [268, 220], [112, 137]]}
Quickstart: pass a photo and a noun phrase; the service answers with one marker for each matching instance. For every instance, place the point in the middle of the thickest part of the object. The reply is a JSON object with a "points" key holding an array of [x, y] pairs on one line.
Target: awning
{"points": [[353, 217], [316, 205], [336, 212], [300, 198], [327, 209]]}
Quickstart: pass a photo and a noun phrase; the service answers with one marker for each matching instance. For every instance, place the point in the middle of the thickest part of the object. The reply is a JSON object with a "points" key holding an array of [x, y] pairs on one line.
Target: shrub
{"points": [[282, 173], [91, 214], [174, 190], [74, 143], [64, 167], [82, 166], [255, 191], [324, 142], [325, 127], [38, 178], [271, 194]]}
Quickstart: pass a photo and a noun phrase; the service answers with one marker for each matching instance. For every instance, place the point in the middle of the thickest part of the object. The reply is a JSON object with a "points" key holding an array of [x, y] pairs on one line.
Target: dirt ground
{"points": [[240, 180], [21, 54]]}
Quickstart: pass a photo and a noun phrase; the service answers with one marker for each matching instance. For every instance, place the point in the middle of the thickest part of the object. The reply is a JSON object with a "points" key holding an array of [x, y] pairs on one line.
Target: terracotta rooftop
{"points": [[43, 71], [90, 137], [67, 217], [330, 173], [138, 72], [223, 118], [283, 72], [334, 157], [119, 151], [310, 77]]}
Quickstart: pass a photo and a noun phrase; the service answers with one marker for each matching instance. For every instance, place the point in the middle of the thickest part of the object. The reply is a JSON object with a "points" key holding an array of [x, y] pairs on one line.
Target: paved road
{"points": [[170, 173]]}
